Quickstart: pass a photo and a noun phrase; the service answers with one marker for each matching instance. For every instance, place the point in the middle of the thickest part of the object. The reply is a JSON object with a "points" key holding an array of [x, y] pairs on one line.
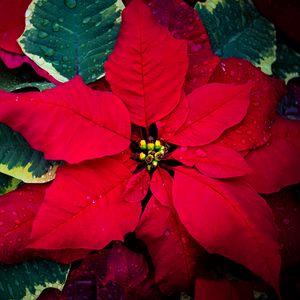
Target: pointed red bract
{"points": [[213, 160], [184, 23], [147, 52], [223, 290], [12, 23], [83, 208], [174, 253], [137, 187], [277, 164], [213, 109], [174, 120], [17, 212], [228, 218], [255, 129], [70, 122], [161, 187]]}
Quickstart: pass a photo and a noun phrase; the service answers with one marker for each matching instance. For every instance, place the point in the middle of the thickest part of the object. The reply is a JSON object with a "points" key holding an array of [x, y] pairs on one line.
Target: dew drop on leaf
{"points": [[55, 27], [42, 34], [70, 3]]}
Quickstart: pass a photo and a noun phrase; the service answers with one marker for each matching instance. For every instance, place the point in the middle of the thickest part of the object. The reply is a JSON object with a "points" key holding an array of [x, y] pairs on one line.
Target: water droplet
{"points": [[55, 27], [88, 197], [86, 20], [183, 149], [47, 51], [286, 221], [201, 153], [18, 221], [94, 201], [45, 22], [70, 3], [2, 211], [167, 233], [243, 141], [14, 213], [43, 34]]}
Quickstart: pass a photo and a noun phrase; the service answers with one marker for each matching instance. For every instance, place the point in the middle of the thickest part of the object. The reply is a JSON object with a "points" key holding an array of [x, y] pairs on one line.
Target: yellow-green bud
{"points": [[143, 145], [150, 146], [142, 156], [154, 163], [157, 145]]}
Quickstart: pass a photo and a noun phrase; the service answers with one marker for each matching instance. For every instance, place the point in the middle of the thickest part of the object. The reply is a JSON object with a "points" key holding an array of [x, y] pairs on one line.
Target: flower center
{"points": [[151, 152]]}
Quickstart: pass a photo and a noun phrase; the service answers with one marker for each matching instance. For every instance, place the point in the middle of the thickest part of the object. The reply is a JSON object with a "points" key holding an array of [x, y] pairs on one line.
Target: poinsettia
{"points": [[182, 148]]}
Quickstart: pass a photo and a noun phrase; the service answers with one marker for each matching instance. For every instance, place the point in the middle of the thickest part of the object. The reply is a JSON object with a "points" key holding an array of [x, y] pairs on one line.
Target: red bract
{"points": [[96, 198]]}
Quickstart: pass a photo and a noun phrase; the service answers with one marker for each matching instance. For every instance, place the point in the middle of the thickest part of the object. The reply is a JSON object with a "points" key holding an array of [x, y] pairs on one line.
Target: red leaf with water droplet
{"points": [[161, 187], [116, 274], [63, 126], [223, 207], [83, 208], [277, 164], [147, 53], [223, 290], [213, 160], [213, 109], [255, 128], [12, 23], [137, 187], [174, 253], [17, 212], [184, 23], [168, 125]]}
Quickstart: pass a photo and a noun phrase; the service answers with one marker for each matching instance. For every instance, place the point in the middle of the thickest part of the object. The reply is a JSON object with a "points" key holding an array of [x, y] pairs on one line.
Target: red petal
{"points": [[184, 23], [223, 290], [12, 23], [278, 163], [230, 219], [137, 187], [15, 60], [83, 207], [147, 53], [17, 212], [70, 122], [255, 129], [161, 187], [173, 252], [213, 161], [213, 109], [174, 120]]}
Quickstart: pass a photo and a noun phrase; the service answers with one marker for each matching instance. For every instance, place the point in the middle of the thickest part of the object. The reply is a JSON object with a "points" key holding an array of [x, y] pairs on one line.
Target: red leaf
{"points": [[12, 23], [161, 187], [230, 219], [184, 23], [17, 212], [137, 187], [223, 290], [255, 128], [277, 164], [70, 122], [173, 251], [286, 206], [174, 120], [147, 53], [213, 109], [12, 61], [213, 161], [112, 274], [83, 208]]}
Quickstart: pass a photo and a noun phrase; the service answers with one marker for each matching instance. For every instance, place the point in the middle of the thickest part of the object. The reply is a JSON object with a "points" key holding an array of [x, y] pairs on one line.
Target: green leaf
{"points": [[236, 29], [15, 79], [27, 280], [287, 64], [19, 160], [8, 184], [71, 37]]}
